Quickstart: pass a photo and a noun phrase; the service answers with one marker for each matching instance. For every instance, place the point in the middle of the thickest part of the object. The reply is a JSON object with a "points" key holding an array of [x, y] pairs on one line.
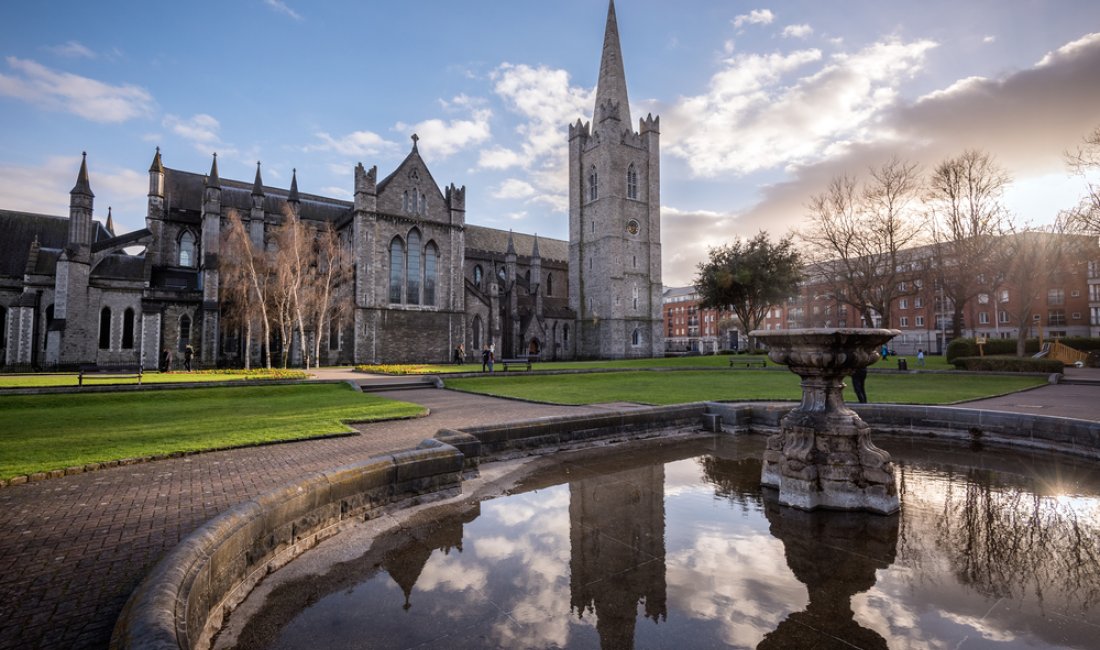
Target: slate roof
{"points": [[19, 230], [184, 191], [492, 240], [121, 267]]}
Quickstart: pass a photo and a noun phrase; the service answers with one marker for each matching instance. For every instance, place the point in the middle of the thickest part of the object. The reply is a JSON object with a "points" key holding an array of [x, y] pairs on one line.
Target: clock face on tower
{"points": [[632, 227]]}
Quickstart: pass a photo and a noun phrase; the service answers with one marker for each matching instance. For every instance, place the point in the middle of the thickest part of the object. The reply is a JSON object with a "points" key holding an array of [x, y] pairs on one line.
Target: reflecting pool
{"points": [[678, 546]]}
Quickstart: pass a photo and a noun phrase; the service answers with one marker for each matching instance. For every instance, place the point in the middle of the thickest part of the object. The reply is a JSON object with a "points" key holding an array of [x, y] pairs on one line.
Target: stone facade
{"points": [[425, 281], [615, 221]]}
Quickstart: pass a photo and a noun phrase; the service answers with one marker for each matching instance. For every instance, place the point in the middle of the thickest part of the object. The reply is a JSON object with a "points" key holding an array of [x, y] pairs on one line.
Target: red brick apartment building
{"points": [[1067, 305]]}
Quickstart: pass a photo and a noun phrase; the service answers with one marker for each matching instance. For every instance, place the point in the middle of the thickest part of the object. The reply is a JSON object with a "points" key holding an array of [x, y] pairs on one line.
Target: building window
{"points": [[1056, 296], [1004, 295], [631, 183], [431, 264], [919, 321], [405, 202], [905, 321], [128, 329], [1076, 315], [185, 332], [478, 273], [105, 328], [187, 249], [1056, 317], [412, 269], [903, 303], [397, 269], [549, 284], [636, 337], [476, 334], [983, 318], [333, 334], [565, 333], [593, 184], [635, 297], [918, 302], [1076, 293], [1003, 317], [3, 328], [422, 204]]}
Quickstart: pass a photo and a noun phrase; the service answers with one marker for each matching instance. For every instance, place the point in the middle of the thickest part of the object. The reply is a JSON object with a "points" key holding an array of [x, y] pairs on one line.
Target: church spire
{"points": [[258, 185], [292, 197], [214, 180], [83, 185], [611, 87], [110, 222]]}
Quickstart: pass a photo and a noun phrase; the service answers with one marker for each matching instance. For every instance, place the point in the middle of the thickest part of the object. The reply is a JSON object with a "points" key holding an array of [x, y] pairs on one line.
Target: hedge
{"points": [[965, 347], [1008, 364]]}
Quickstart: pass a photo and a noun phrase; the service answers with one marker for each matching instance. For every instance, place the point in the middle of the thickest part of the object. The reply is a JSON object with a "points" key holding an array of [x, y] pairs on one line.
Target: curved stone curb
{"points": [[182, 601]]}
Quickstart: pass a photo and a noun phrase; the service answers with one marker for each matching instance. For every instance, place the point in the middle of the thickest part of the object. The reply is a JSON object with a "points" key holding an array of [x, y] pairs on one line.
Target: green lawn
{"points": [[710, 361], [691, 386], [41, 380], [47, 432]]}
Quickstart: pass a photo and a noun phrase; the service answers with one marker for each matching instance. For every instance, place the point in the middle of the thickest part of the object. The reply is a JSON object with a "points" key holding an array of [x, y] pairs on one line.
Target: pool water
{"points": [[678, 546]]}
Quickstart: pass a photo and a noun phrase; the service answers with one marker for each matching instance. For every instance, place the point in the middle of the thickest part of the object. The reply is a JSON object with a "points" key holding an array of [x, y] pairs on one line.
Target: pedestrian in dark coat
{"points": [[188, 355], [858, 377]]}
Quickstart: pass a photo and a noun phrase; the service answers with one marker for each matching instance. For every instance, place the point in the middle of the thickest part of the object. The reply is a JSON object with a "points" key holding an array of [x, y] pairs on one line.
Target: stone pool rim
{"points": [[182, 601]]}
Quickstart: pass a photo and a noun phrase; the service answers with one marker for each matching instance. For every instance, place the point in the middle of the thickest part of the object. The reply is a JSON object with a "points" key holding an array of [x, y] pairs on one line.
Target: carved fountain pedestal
{"points": [[823, 457]]}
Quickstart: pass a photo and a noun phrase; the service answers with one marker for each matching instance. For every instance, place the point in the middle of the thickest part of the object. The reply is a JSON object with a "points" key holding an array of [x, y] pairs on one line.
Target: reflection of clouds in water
{"points": [[538, 615], [740, 581], [981, 627], [893, 619], [451, 573]]}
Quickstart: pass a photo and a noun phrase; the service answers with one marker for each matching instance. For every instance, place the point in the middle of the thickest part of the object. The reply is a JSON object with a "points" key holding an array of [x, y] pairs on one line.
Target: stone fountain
{"points": [[823, 457]]}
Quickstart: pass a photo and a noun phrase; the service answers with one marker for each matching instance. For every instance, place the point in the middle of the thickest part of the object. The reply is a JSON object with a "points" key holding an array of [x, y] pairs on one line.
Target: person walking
{"points": [[920, 358], [484, 358], [188, 355], [492, 356], [858, 379], [165, 360]]}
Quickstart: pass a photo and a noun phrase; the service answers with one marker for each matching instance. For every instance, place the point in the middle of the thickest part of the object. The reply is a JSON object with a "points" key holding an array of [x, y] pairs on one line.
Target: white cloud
{"points": [[753, 117], [513, 188], [88, 98], [199, 129], [498, 158], [44, 189], [754, 17], [442, 138], [1083, 46], [356, 143], [73, 49], [989, 39], [281, 7], [546, 103], [797, 31], [336, 192]]}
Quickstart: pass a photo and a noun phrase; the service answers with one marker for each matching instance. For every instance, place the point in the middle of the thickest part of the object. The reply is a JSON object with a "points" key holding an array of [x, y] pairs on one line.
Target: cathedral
{"points": [[424, 280]]}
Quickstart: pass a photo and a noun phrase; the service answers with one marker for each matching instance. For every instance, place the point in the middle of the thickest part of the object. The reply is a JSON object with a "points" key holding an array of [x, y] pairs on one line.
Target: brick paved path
{"points": [[72, 549]]}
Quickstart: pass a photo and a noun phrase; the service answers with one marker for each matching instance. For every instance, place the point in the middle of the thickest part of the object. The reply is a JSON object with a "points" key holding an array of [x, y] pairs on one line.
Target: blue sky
{"points": [[760, 102]]}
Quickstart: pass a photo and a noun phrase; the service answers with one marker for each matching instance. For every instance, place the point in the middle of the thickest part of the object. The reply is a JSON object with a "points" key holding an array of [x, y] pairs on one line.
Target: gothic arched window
{"points": [[549, 284], [333, 334], [477, 333], [397, 269], [636, 337], [631, 183], [128, 329], [635, 296], [478, 273], [105, 328], [187, 249], [422, 204], [412, 277], [405, 202], [431, 266], [593, 184]]}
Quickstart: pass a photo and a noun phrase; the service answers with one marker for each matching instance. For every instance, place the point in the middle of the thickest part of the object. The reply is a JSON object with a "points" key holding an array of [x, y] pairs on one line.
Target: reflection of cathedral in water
{"points": [[617, 535]]}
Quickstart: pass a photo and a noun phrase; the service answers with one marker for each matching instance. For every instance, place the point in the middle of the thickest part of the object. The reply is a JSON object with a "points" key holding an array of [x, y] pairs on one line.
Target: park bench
{"points": [[522, 363], [747, 363], [122, 372]]}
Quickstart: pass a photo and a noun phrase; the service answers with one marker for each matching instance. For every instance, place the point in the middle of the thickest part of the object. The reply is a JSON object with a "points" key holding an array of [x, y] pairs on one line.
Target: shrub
{"points": [[1003, 363], [965, 347]]}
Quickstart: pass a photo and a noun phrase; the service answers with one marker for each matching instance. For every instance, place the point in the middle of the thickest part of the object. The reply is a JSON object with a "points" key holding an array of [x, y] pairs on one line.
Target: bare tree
{"points": [[1085, 162], [294, 255], [245, 279], [327, 296], [860, 233], [964, 201], [1029, 261]]}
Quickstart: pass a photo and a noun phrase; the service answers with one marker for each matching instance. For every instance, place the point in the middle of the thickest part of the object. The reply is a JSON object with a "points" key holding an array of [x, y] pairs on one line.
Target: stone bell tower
{"points": [[615, 220]]}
